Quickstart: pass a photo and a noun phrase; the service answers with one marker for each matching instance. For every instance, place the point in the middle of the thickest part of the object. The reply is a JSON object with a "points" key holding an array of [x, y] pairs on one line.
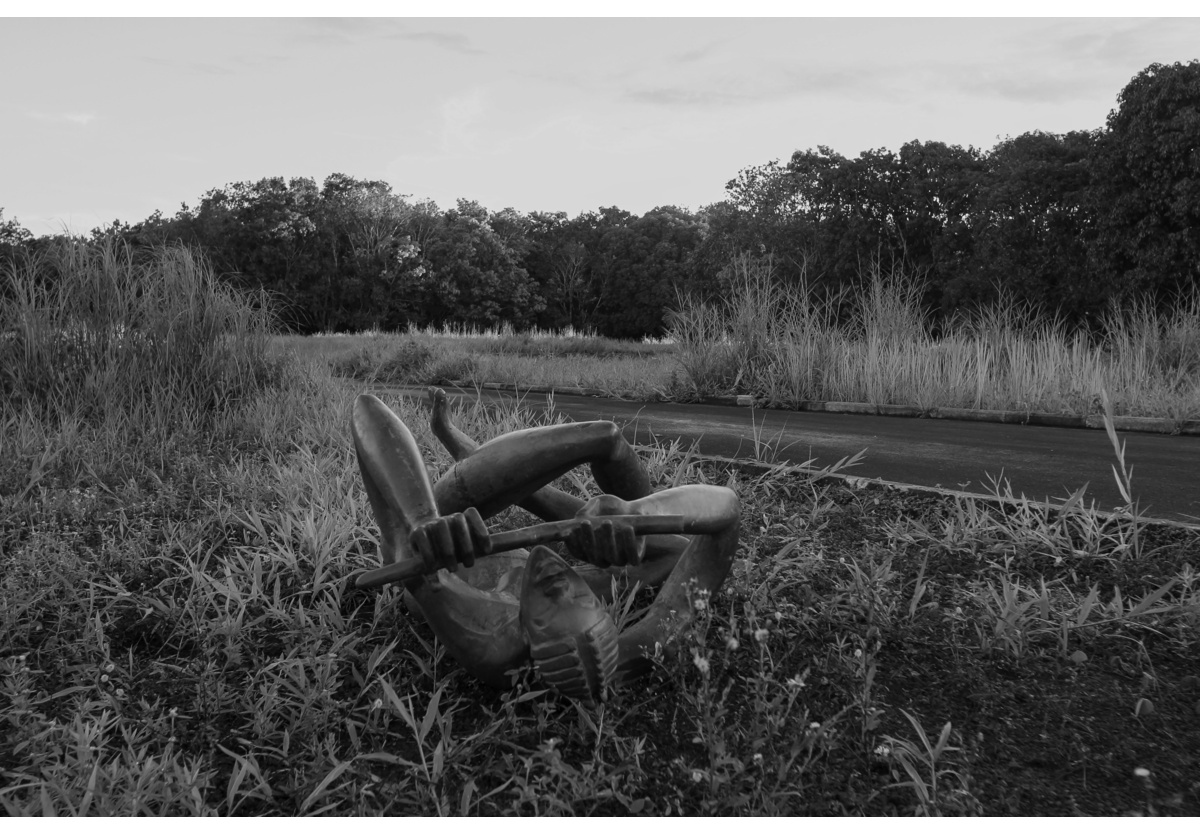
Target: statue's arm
{"points": [[706, 510]]}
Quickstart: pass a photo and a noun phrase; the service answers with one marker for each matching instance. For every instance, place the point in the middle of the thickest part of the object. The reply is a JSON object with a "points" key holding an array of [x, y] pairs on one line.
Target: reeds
{"points": [[877, 345]]}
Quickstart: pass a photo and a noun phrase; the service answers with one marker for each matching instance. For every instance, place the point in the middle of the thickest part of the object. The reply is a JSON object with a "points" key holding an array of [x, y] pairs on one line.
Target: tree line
{"points": [[1066, 221]]}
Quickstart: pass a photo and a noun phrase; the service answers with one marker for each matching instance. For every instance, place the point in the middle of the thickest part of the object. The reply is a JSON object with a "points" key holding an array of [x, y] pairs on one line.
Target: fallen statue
{"points": [[496, 605]]}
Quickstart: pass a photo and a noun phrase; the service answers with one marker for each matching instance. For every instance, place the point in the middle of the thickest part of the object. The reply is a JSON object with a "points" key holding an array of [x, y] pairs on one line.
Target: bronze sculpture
{"points": [[494, 605]]}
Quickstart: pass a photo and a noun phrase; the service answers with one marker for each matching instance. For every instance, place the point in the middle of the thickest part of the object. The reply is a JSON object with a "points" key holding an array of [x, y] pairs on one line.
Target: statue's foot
{"points": [[455, 442], [439, 420]]}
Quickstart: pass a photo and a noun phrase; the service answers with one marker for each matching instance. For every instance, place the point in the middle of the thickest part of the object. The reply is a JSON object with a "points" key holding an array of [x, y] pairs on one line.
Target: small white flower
{"points": [[796, 683], [109, 667], [700, 605], [816, 725], [758, 758], [1141, 773], [104, 679], [732, 643], [701, 663], [778, 616], [883, 750], [120, 692], [760, 634], [958, 611], [697, 775], [378, 704], [174, 712], [858, 652]]}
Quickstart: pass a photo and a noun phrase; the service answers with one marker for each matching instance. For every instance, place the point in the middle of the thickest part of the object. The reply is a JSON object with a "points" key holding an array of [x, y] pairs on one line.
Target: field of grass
{"points": [[177, 636], [634, 370]]}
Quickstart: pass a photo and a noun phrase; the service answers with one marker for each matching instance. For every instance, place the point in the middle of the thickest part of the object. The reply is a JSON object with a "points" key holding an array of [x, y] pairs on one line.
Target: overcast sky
{"points": [[113, 118]]}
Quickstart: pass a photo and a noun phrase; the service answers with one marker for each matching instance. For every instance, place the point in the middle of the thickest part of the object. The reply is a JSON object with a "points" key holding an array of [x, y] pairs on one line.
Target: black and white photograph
{"points": [[633, 409]]}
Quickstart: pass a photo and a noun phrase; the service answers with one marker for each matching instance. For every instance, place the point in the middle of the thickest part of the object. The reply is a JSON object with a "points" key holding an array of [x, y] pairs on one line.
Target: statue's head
{"points": [[572, 638]]}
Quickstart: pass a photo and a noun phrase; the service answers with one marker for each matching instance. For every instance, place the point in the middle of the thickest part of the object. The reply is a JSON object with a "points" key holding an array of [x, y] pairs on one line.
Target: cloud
{"points": [[683, 97], [1023, 86], [767, 86], [82, 119], [446, 40], [691, 56]]}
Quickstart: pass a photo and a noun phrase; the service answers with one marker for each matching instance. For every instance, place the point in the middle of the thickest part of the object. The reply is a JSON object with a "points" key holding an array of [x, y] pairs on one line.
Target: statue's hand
{"points": [[449, 540], [604, 542]]}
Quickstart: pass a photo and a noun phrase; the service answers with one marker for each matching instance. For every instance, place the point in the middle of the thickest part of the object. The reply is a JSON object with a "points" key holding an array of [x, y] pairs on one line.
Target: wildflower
{"points": [[697, 775], [109, 667], [958, 610], [858, 652], [378, 704], [796, 683], [174, 713], [1141, 773], [883, 750], [732, 643], [816, 725], [758, 760], [700, 605], [760, 634], [778, 616], [120, 692], [104, 679], [701, 662]]}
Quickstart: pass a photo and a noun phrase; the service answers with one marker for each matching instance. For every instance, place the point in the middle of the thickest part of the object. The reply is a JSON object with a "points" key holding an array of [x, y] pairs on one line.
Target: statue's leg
{"points": [[548, 502], [508, 469]]}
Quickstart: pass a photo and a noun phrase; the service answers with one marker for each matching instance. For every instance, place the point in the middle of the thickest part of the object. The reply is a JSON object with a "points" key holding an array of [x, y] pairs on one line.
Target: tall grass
{"points": [[93, 329], [111, 356], [790, 345]]}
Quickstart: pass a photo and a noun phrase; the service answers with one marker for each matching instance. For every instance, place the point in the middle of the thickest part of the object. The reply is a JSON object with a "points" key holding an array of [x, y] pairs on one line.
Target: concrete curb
{"points": [[1152, 425]]}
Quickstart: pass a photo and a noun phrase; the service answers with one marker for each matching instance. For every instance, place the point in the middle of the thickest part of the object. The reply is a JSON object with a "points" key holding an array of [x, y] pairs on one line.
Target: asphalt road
{"points": [[1042, 463]]}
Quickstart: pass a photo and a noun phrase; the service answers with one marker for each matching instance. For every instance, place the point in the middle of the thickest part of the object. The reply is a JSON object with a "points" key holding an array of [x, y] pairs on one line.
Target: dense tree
{"points": [[1147, 194], [644, 261], [13, 236], [473, 277], [1032, 225], [556, 261], [369, 259], [769, 209]]}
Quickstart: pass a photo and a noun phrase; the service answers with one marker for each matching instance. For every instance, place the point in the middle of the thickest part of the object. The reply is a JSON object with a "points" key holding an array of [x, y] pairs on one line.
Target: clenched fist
{"points": [[604, 542], [449, 540]]}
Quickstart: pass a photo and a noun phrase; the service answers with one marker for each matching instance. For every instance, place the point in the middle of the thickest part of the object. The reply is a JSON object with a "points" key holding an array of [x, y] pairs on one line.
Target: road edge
{"points": [[1150, 425]]}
